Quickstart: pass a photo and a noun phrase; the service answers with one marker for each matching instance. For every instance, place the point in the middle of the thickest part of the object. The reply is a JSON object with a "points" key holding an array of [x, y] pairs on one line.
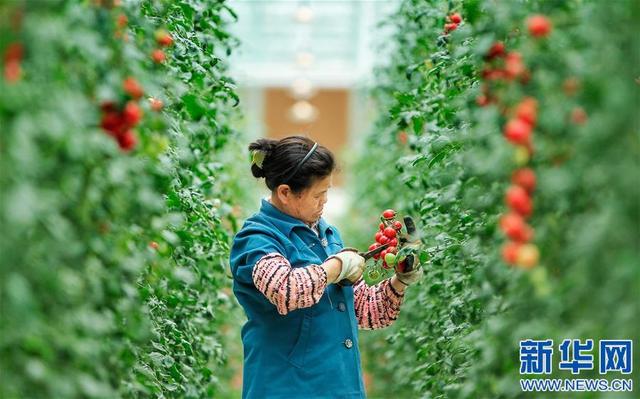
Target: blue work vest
{"points": [[307, 353]]}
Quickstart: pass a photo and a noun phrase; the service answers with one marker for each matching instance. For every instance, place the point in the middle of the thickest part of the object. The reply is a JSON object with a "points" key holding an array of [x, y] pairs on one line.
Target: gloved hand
{"points": [[352, 264], [411, 270], [410, 277]]}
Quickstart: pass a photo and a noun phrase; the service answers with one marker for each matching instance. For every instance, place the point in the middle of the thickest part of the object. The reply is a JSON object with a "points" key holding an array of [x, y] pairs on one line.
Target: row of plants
{"points": [[118, 198], [510, 131]]}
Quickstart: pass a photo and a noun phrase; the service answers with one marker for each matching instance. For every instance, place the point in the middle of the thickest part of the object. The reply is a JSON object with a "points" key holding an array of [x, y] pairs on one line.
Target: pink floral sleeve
{"points": [[286, 287], [376, 306]]}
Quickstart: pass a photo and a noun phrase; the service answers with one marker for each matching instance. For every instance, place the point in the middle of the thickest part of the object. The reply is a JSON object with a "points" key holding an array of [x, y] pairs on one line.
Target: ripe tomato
{"points": [[392, 250], [158, 56], [514, 227], [510, 252], [450, 27], [390, 232], [127, 141], [517, 131], [132, 113], [381, 226], [393, 242], [112, 123], [496, 50], [518, 200], [388, 214], [156, 104], [539, 26], [578, 116], [525, 178], [163, 38], [513, 65], [482, 100], [373, 246], [132, 88], [455, 18], [383, 240], [527, 110], [397, 225]]}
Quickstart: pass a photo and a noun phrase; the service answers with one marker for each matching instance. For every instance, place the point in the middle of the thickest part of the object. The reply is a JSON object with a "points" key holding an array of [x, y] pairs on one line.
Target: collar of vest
{"points": [[286, 223]]}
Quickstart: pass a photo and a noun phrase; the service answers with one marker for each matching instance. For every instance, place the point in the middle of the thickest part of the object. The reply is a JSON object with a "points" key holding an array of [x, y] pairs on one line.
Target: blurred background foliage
{"points": [[113, 273]]}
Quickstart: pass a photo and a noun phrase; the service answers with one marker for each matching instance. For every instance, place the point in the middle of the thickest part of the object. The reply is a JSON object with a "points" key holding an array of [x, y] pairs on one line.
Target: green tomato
{"points": [[390, 259]]}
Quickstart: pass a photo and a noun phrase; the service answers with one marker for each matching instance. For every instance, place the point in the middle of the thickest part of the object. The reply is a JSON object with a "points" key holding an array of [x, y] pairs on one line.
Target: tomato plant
{"points": [[518, 94], [116, 201]]}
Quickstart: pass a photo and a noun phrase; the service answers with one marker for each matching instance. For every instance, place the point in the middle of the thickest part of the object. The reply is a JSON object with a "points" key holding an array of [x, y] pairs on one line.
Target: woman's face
{"points": [[309, 204]]}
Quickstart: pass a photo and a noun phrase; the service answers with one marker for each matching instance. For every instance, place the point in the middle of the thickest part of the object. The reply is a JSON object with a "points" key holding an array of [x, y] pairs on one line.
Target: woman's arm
{"points": [[377, 306], [291, 288]]}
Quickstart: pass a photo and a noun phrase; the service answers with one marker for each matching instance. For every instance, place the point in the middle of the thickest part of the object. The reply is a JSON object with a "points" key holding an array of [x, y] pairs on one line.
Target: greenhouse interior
{"points": [[319, 199]]}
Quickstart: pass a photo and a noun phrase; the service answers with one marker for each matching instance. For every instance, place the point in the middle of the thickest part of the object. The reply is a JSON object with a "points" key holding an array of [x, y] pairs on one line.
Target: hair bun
{"points": [[265, 146]]}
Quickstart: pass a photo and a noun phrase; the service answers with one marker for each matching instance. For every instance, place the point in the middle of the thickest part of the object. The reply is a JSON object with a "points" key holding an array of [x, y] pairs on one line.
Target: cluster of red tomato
{"points": [[118, 121], [454, 21], [14, 52], [503, 66], [164, 39], [119, 118], [388, 233], [12, 59]]}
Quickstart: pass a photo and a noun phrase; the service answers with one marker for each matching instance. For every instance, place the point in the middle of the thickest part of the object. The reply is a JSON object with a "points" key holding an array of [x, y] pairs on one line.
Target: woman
{"points": [[301, 337]]}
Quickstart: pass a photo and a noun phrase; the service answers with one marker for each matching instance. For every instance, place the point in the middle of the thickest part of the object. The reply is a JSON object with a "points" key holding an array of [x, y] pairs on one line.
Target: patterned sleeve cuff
{"points": [[286, 287]]}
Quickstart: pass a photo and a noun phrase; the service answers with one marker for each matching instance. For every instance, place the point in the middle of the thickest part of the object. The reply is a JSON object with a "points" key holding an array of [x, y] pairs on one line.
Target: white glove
{"points": [[352, 265]]}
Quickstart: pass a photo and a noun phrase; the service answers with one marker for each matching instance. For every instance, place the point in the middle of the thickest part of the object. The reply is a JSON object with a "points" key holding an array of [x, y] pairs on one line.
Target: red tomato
{"points": [[132, 113], [397, 225], [383, 240], [127, 141], [496, 50], [455, 18], [517, 131], [539, 26], [527, 110], [510, 252], [393, 242], [378, 235], [156, 104], [158, 56], [514, 227], [112, 123], [525, 178], [163, 38], [518, 200], [578, 116], [513, 64], [388, 214], [132, 88], [450, 27], [390, 232]]}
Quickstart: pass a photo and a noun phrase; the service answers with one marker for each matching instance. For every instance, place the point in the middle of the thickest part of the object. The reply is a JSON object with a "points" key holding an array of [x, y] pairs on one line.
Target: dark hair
{"points": [[283, 156]]}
